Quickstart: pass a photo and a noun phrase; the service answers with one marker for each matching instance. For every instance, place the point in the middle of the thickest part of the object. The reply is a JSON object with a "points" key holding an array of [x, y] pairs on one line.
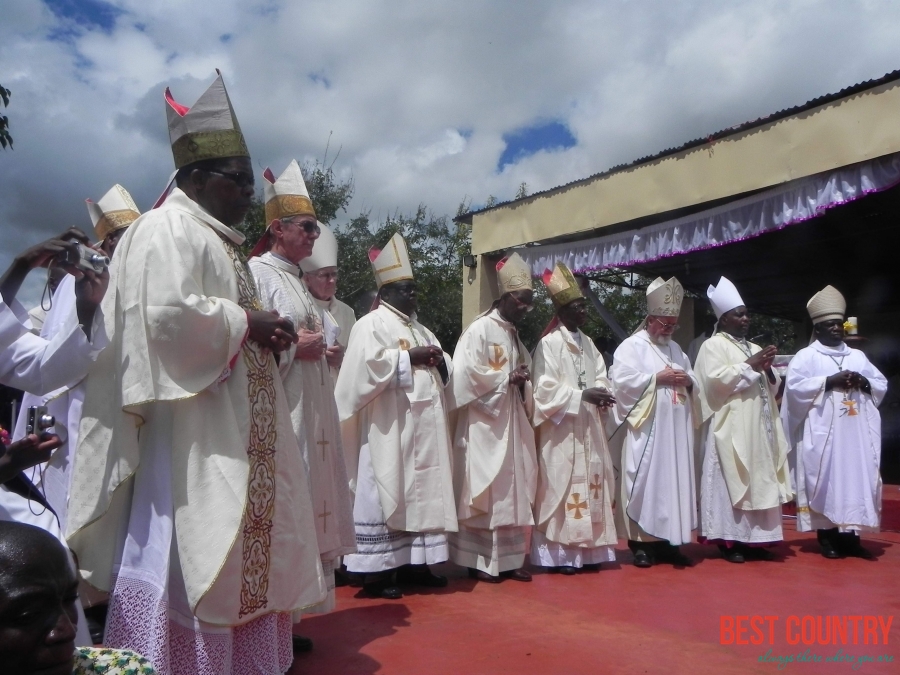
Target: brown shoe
{"points": [[478, 575], [518, 575]]}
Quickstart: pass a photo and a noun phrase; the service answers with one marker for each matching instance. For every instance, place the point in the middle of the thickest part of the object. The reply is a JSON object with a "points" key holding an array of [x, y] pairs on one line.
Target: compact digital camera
{"points": [[38, 421], [84, 258]]}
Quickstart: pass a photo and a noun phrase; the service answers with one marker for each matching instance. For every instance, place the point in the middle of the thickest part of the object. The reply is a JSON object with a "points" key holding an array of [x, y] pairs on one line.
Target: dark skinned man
{"points": [[496, 464], [186, 425], [830, 414], [745, 477], [391, 402]]}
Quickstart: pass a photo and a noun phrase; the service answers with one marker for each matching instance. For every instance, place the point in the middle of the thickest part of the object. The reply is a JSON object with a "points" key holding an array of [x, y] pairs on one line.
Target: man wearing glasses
{"points": [[496, 461], [656, 405], [186, 444]]}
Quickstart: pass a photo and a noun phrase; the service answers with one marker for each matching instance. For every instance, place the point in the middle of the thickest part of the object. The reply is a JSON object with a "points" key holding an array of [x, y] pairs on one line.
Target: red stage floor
{"points": [[625, 620]]}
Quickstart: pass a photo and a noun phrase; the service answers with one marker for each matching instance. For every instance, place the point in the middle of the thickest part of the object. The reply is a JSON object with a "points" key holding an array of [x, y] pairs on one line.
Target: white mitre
{"points": [[664, 297], [391, 263], [513, 274], [286, 196], [206, 130], [115, 210], [325, 251], [723, 297], [826, 305]]}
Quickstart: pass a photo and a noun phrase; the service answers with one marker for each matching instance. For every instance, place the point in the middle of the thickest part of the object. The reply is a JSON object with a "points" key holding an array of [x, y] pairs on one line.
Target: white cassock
{"points": [[573, 508], [310, 397], [396, 444], [658, 489], [42, 366], [189, 499], [745, 477], [835, 440], [495, 467]]}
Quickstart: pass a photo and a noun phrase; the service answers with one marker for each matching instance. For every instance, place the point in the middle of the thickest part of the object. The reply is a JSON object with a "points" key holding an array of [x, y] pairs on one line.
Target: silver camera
{"points": [[84, 258], [38, 421]]}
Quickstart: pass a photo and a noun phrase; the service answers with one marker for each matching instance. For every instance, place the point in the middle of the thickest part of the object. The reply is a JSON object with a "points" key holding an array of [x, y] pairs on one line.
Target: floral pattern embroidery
{"points": [[110, 662]]}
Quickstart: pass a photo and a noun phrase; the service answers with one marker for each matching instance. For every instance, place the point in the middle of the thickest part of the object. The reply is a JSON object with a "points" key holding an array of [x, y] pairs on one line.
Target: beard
{"points": [[661, 340]]}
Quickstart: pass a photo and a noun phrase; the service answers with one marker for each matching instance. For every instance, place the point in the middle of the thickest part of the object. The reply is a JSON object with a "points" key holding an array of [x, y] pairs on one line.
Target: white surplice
{"points": [[574, 503], [495, 460], [658, 491], [745, 477], [36, 364], [310, 398], [345, 318], [189, 496], [835, 440], [396, 444]]}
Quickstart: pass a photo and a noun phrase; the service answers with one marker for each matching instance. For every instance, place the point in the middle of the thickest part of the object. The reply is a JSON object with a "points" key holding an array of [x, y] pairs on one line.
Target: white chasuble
{"points": [[658, 479], [574, 502], [186, 448], [745, 464], [835, 439], [310, 397], [398, 411]]}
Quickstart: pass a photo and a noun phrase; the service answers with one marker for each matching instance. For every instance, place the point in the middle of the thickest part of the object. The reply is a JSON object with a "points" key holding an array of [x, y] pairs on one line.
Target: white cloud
{"points": [[395, 83]]}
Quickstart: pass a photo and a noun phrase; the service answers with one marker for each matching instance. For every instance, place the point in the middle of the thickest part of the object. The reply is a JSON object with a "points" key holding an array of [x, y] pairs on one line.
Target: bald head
{"points": [[38, 592]]}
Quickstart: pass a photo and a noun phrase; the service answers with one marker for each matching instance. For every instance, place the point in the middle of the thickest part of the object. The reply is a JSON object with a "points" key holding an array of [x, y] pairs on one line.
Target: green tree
{"points": [[5, 138]]}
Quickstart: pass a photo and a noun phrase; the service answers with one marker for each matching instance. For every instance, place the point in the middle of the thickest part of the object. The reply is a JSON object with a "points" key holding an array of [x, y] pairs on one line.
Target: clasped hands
{"points": [[598, 396], [762, 360], [428, 355], [672, 377], [847, 380], [519, 376]]}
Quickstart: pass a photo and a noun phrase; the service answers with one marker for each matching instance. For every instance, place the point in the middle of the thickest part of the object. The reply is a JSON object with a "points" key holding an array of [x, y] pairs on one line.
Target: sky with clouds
{"points": [[429, 102]]}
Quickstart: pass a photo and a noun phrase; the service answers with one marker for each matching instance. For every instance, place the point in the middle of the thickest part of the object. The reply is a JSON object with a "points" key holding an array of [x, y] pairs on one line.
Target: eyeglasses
{"points": [[666, 326], [529, 305], [242, 179], [308, 226], [325, 276]]}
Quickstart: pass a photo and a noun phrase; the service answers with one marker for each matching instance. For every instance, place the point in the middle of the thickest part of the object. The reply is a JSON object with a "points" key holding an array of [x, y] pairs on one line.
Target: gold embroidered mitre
{"points": [[664, 297], [115, 210], [826, 305], [391, 263], [287, 195], [562, 285], [513, 274], [207, 130]]}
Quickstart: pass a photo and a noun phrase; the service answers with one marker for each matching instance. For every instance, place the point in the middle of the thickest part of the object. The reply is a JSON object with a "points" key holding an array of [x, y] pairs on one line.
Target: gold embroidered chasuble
{"points": [[243, 524], [575, 489]]}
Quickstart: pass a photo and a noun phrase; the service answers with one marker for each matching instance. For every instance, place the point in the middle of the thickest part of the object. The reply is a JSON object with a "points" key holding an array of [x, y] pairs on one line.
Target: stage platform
{"points": [[628, 620]]}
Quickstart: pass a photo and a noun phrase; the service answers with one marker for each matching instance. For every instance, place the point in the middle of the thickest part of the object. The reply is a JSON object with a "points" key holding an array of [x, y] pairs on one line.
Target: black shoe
{"points": [[758, 553], [829, 540], [733, 554], [420, 575], [849, 545], [518, 575], [382, 586], [642, 559], [665, 552], [591, 567], [301, 644], [478, 575], [566, 571]]}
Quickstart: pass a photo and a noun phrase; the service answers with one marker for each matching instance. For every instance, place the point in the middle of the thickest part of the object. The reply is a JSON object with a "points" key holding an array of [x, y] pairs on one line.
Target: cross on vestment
{"points": [[324, 516], [323, 443], [576, 505], [596, 485]]}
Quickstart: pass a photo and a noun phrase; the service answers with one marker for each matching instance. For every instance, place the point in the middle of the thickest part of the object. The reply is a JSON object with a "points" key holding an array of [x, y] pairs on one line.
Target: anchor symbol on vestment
{"points": [[576, 505], [498, 361]]}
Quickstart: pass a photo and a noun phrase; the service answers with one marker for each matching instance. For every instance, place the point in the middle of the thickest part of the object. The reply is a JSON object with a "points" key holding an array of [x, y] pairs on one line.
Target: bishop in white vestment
{"points": [[745, 477], [657, 405], [573, 509], [390, 396], [290, 238], [495, 456], [190, 502], [830, 414]]}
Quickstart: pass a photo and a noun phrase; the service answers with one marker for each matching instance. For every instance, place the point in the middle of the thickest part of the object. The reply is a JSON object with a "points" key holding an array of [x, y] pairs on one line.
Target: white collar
{"points": [[842, 350], [178, 200]]}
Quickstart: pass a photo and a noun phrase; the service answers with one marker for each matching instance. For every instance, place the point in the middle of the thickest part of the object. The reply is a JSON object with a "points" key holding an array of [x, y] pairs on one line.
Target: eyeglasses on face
{"points": [[242, 179], [528, 305], [666, 326], [325, 276], [308, 226]]}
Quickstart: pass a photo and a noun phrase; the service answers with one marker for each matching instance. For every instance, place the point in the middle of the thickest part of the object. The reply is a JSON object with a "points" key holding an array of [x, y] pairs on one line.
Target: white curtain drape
{"points": [[768, 211]]}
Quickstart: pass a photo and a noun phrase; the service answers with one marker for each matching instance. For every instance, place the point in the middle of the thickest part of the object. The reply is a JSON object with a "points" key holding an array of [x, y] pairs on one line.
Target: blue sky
{"points": [[429, 103]]}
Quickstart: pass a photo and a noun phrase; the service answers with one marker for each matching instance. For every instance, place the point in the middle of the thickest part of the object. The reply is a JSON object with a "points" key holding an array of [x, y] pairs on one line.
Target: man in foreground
{"points": [[186, 445], [573, 508], [830, 414], [656, 396], [745, 477], [496, 465], [390, 396]]}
